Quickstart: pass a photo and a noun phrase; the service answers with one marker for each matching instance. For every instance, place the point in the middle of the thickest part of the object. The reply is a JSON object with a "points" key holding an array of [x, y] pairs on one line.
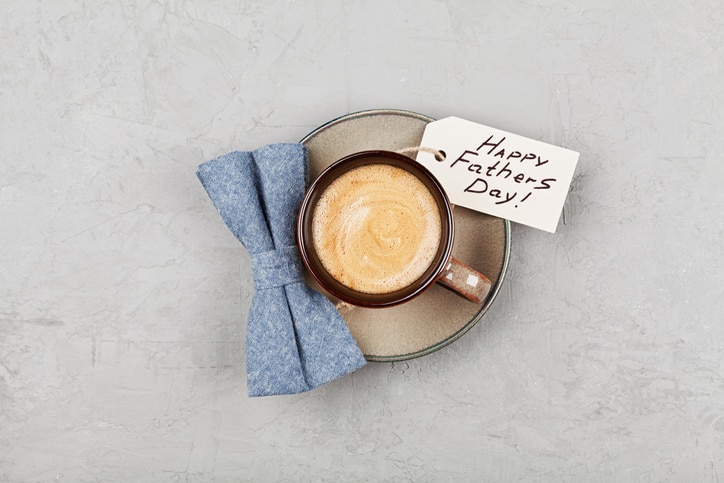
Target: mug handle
{"points": [[465, 280]]}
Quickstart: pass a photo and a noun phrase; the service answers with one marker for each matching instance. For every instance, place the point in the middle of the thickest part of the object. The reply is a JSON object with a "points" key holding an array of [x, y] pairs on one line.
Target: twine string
{"points": [[342, 305], [439, 155]]}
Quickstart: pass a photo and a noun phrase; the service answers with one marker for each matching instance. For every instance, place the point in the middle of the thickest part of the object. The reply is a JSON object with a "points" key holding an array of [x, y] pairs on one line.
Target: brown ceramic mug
{"points": [[366, 211]]}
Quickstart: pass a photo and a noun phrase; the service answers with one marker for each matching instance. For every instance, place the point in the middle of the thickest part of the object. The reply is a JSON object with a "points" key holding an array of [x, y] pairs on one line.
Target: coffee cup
{"points": [[376, 229]]}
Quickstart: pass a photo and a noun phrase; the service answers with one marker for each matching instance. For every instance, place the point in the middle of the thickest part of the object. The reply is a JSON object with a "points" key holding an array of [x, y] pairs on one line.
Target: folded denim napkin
{"points": [[296, 340]]}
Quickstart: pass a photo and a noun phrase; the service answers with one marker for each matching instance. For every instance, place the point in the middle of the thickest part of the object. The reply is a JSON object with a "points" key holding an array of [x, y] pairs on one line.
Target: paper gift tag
{"points": [[500, 173]]}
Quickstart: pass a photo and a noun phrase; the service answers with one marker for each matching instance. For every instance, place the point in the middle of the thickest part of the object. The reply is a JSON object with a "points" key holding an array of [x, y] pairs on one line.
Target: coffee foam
{"points": [[376, 228]]}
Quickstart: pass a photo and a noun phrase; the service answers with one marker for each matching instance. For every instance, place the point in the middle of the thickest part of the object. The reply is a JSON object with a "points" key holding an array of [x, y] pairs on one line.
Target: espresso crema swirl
{"points": [[376, 228]]}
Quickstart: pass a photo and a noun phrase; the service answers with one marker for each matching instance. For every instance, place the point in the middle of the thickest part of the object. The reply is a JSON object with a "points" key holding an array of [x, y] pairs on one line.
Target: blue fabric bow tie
{"points": [[296, 340]]}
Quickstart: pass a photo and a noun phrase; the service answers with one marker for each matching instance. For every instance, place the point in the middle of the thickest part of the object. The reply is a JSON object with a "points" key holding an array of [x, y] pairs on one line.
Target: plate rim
{"points": [[494, 290]]}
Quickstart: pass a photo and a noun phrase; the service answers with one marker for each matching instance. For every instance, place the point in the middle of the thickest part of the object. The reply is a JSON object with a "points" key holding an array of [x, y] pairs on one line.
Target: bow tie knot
{"points": [[276, 268]]}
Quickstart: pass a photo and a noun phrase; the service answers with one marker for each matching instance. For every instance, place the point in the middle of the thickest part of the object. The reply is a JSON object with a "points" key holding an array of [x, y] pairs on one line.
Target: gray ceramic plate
{"points": [[438, 317]]}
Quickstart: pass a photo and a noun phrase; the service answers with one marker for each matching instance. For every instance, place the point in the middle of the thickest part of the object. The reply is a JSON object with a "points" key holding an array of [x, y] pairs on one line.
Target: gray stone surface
{"points": [[123, 295]]}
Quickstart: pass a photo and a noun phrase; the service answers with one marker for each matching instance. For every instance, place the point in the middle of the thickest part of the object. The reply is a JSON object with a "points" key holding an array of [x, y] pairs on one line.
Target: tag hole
{"points": [[440, 155]]}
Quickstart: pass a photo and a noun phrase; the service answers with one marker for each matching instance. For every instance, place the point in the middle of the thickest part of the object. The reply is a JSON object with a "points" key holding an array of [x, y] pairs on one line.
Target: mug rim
{"points": [[306, 244]]}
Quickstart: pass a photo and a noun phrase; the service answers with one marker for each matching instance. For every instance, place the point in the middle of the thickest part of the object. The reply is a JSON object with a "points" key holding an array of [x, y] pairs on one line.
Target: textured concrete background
{"points": [[123, 296]]}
